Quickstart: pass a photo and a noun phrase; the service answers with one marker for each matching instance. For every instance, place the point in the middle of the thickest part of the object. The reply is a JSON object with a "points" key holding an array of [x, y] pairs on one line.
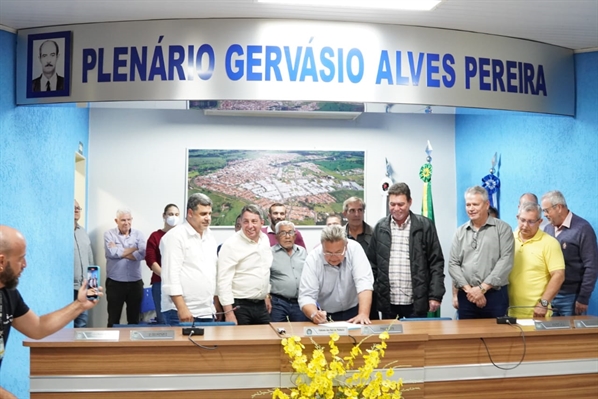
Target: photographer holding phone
{"points": [[13, 310], [83, 258]]}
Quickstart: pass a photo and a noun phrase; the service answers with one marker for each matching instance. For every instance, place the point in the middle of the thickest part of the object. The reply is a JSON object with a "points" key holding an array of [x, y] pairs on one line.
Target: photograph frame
{"points": [[310, 183], [33, 43]]}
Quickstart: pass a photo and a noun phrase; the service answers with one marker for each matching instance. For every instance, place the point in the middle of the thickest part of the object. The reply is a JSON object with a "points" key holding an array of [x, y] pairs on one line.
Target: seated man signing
{"points": [[337, 280]]}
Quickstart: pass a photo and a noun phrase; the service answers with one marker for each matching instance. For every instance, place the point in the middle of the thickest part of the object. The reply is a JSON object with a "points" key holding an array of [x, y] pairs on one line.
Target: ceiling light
{"points": [[416, 5]]}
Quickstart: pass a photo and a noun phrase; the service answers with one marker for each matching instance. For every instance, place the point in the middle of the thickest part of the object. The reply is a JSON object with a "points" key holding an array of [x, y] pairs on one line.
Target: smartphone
{"points": [[93, 282]]}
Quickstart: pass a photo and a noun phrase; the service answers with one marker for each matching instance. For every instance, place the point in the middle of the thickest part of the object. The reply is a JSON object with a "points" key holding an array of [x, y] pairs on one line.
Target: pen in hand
{"points": [[319, 316]]}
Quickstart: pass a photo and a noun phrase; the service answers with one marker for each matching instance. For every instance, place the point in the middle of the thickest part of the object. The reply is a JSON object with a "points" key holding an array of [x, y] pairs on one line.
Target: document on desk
{"points": [[349, 326], [526, 322]]}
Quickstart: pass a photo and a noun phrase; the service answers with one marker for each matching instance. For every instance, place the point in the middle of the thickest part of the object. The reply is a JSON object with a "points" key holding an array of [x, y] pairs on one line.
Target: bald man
{"points": [[14, 311]]}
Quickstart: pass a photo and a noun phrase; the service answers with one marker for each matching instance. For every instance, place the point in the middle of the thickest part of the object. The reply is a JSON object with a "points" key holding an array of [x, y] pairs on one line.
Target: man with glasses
{"points": [[481, 260], [278, 213], [538, 266], [407, 260], [337, 282], [533, 198], [578, 243], [285, 274]]}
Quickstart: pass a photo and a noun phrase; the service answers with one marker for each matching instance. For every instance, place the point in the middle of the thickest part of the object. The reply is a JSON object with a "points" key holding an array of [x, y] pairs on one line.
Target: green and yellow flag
{"points": [[425, 174]]}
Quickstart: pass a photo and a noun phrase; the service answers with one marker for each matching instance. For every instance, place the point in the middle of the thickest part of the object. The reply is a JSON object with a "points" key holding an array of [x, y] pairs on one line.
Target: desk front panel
{"points": [[242, 361], [583, 386], [438, 359]]}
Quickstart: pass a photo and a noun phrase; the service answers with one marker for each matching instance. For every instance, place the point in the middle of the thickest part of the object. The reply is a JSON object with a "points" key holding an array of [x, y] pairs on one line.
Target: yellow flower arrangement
{"points": [[321, 378]]}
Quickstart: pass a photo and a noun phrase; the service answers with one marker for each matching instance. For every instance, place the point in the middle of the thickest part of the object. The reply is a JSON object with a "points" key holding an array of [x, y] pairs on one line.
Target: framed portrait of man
{"points": [[49, 64]]}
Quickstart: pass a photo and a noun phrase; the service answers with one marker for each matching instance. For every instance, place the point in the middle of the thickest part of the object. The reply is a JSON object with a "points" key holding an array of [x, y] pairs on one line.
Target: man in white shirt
{"points": [[337, 280], [189, 266], [244, 271]]}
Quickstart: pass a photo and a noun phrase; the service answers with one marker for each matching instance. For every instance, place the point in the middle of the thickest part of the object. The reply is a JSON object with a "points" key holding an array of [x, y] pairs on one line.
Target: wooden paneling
{"points": [[156, 360], [232, 394], [583, 386], [413, 391], [538, 348]]}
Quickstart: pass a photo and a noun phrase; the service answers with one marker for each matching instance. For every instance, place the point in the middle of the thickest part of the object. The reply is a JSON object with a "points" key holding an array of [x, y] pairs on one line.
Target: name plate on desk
{"points": [[311, 331], [108, 335], [380, 328], [162, 335], [589, 323], [553, 325]]}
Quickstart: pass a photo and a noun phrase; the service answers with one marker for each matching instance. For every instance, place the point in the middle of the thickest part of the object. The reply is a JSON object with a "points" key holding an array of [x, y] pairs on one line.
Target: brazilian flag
{"points": [[425, 174]]}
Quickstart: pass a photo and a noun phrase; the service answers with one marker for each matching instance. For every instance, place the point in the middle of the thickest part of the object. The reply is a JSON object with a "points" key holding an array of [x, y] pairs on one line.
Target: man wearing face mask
{"points": [[153, 257], [189, 266]]}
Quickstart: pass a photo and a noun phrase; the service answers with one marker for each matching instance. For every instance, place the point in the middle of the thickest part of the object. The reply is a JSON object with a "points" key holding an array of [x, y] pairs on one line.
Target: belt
{"points": [[248, 301], [290, 300]]}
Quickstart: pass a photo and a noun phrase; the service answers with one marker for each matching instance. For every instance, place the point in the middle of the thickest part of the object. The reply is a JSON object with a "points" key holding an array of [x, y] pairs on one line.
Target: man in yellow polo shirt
{"points": [[538, 268]]}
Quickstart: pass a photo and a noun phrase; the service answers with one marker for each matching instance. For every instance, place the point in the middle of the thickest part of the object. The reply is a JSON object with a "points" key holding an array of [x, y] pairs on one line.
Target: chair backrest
{"points": [[147, 302]]}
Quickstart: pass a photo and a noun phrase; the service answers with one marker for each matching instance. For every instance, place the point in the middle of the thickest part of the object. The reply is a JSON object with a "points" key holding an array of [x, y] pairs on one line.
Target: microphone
{"points": [[199, 331], [506, 319]]}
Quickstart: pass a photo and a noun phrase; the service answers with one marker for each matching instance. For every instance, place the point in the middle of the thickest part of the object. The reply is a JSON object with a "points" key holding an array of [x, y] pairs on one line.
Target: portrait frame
{"points": [[34, 41], [310, 183]]}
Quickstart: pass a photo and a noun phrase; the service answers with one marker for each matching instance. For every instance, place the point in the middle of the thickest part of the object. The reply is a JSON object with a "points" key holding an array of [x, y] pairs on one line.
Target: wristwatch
{"points": [[544, 303]]}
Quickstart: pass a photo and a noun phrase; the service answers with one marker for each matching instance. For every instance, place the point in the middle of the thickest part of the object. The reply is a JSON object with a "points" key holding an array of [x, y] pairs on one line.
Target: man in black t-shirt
{"points": [[13, 310], [12, 306]]}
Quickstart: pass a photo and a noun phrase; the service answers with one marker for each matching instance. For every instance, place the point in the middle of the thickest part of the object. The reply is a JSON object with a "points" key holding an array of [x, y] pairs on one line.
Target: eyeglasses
{"points": [[474, 240], [287, 233], [335, 253], [527, 222], [78, 208], [545, 210]]}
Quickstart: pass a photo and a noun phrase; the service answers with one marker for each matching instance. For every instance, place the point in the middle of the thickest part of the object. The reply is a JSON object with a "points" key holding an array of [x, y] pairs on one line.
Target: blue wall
{"points": [[538, 153], [37, 169]]}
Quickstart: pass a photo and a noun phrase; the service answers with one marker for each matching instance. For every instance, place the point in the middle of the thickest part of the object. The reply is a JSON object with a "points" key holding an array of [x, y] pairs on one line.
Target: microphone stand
{"points": [[198, 330]]}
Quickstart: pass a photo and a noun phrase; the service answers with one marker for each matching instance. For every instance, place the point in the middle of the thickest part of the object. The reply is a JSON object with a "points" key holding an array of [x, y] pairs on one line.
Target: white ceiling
{"points": [[570, 23]]}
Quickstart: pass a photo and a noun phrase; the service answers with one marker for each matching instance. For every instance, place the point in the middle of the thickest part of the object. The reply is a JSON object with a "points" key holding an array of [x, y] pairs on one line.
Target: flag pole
{"points": [[425, 174]]}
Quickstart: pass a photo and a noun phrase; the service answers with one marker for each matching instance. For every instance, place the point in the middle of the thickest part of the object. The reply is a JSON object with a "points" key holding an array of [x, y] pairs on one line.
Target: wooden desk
{"points": [[455, 363], [246, 359], [441, 359], [557, 363]]}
